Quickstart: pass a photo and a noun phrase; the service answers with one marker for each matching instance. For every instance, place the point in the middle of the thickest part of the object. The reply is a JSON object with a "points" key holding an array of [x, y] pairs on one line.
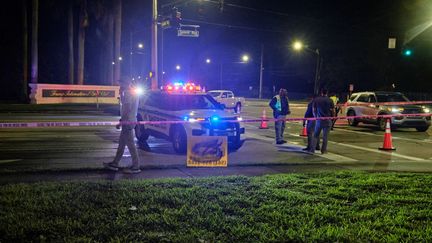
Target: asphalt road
{"points": [[72, 148]]}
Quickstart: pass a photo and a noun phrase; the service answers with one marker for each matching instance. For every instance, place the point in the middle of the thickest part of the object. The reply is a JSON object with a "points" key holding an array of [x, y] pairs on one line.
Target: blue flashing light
{"points": [[178, 83], [185, 118], [215, 118]]}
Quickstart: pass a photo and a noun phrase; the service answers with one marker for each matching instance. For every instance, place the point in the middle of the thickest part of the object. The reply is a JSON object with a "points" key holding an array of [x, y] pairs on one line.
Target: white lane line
{"points": [[393, 137], [297, 148], [5, 161], [375, 150], [392, 154]]}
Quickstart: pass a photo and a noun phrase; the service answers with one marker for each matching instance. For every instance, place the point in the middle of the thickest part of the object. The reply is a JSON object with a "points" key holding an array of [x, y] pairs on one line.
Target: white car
{"points": [[179, 115], [227, 98], [366, 105]]}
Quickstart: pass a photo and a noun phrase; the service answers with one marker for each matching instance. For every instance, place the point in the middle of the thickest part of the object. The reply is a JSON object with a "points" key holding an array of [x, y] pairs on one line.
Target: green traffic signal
{"points": [[407, 52]]}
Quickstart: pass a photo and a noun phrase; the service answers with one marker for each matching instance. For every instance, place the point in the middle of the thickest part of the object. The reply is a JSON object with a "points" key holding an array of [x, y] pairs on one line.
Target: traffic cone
{"points": [[264, 124], [387, 145], [304, 130]]}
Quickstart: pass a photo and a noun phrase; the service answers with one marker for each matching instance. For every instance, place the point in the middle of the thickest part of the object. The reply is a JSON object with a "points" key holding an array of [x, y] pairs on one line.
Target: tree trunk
{"points": [[110, 50], [83, 22], [24, 83], [71, 63], [118, 23], [34, 41]]}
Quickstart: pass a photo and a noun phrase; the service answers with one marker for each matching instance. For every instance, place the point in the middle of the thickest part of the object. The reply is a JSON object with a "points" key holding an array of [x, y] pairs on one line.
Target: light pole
{"points": [[154, 49], [298, 46]]}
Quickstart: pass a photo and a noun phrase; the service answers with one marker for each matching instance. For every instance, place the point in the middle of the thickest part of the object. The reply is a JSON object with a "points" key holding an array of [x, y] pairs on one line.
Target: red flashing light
{"points": [[178, 87]]}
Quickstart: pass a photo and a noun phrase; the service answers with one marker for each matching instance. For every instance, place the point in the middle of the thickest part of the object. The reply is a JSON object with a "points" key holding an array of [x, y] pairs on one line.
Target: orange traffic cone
{"points": [[304, 130], [264, 124], [387, 145]]}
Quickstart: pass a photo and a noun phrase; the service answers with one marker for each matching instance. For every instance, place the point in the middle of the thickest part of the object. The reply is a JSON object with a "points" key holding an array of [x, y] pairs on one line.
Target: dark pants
{"points": [[280, 128], [127, 139], [310, 127], [325, 126]]}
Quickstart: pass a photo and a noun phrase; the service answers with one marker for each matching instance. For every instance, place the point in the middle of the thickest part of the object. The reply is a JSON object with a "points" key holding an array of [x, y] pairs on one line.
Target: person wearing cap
{"points": [[280, 106], [129, 106]]}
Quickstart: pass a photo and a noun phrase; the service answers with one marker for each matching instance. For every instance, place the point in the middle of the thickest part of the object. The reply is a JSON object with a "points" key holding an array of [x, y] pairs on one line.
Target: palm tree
{"points": [[25, 52], [34, 41], [117, 49], [83, 23], [70, 28]]}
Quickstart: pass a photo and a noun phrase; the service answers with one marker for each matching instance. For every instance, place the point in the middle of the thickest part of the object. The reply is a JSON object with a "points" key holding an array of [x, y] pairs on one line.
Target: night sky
{"points": [[352, 38]]}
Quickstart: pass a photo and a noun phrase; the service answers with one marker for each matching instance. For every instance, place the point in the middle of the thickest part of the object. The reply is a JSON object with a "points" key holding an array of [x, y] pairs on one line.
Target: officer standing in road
{"points": [[335, 100], [129, 106], [280, 107], [310, 125], [322, 108]]}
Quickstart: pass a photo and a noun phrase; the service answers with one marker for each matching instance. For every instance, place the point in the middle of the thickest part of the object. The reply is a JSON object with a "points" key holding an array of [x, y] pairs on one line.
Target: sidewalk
{"points": [[168, 172]]}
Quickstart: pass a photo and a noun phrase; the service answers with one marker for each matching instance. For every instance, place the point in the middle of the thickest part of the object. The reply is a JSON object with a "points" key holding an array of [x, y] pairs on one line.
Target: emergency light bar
{"points": [[184, 88]]}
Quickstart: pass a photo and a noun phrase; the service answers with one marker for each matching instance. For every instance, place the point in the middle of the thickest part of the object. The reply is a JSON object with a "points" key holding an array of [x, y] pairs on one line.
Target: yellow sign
{"points": [[207, 151]]}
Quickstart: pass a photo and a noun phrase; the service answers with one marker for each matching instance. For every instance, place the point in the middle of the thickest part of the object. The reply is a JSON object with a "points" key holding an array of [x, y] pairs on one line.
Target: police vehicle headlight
{"points": [[239, 118], [395, 109], [425, 109], [138, 90]]}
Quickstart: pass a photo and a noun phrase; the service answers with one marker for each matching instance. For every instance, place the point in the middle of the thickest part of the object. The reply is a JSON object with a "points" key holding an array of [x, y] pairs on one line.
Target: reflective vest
{"points": [[278, 104]]}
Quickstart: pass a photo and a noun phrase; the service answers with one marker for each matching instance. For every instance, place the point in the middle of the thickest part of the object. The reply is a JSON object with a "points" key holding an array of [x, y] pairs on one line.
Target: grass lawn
{"points": [[330, 206]]}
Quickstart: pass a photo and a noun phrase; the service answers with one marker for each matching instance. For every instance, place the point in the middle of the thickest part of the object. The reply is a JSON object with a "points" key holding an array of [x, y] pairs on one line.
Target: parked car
{"points": [[370, 104], [227, 98]]}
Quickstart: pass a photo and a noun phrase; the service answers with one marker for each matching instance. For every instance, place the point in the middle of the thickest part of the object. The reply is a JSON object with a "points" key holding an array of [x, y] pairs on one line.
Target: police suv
{"points": [[180, 111]]}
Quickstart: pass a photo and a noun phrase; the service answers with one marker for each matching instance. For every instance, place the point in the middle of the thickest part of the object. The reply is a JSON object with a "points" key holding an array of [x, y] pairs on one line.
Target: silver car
{"points": [[367, 106]]}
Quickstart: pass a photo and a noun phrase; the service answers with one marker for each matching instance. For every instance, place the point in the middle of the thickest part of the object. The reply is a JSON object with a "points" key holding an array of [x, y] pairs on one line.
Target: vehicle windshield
{"points": [[214, 94], [391, 98], [190, 102]]}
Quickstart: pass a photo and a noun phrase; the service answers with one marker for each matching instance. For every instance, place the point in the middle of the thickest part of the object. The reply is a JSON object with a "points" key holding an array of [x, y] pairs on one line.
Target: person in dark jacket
{"points": [[323, 109], [280, 106], [310, 127]]}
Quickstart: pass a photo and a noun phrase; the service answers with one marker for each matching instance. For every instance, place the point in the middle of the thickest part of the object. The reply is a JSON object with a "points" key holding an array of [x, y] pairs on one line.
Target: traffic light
{"points": [[407, 52]]}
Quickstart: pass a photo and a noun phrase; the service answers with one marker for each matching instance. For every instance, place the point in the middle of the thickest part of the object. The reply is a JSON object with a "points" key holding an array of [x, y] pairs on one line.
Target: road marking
{"points": [[393, 154], [5, 161], [360, 148], [374, 150], [393, 137], [298, 148]]}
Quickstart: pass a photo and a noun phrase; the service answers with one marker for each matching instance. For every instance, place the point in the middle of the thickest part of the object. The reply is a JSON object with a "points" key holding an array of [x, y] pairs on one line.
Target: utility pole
{"points": [[261, 72], [154, 51]]}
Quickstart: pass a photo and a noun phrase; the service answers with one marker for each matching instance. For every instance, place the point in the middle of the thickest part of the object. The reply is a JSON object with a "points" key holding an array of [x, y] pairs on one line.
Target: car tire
{"points": [[422, 129], [140, 132], [352, 122], [179, 140], [237, 108]]}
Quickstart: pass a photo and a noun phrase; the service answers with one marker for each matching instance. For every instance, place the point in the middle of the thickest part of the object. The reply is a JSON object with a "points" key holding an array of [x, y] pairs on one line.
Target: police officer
{"points": [[323, 107], [129, 106], [310, 125], [335, 100], [280, 107]]}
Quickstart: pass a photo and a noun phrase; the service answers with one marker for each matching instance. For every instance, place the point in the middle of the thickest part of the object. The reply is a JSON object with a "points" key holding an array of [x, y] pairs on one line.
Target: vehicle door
{"points": [[230, 99], [224, 99], [372, 108], [362, 106], [154, 112]]}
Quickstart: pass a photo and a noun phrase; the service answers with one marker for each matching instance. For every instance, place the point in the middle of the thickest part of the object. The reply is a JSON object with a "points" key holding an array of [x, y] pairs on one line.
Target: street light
{"points": [[208, 60], [298, 46], [178, 67], [245, 58], [140, 45]]}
